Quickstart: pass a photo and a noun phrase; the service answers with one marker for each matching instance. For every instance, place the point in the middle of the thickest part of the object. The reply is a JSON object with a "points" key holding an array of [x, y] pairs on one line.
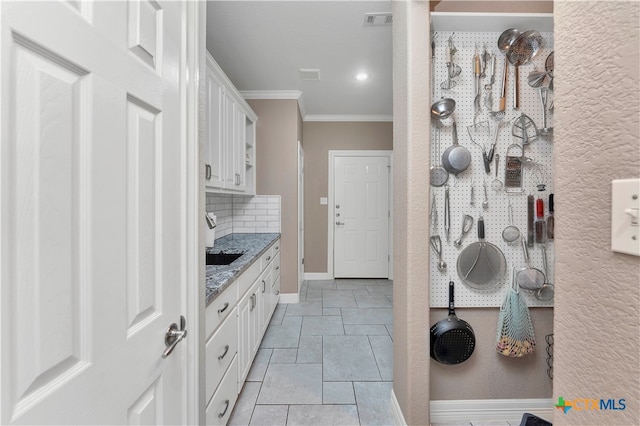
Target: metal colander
{"points": [[525, 47]]}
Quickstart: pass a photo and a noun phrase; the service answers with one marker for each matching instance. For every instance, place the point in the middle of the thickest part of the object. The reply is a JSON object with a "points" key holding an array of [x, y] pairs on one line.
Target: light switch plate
{"points": [[323, 201], [625, 216]]}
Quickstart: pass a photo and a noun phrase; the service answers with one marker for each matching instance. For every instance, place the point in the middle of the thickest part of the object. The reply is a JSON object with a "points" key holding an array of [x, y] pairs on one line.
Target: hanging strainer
{"points": [[514, 336], [511, 233], [524, 48]]}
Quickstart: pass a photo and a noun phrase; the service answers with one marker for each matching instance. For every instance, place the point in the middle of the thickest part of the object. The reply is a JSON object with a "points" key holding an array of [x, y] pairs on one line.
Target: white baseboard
{"points": [[510, 410], [309, 276], [289, 298], [396, 412]]}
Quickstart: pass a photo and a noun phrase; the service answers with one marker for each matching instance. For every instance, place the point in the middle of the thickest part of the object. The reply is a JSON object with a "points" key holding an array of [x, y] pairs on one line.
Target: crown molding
{"points": [[276, 94], [345, 117]]}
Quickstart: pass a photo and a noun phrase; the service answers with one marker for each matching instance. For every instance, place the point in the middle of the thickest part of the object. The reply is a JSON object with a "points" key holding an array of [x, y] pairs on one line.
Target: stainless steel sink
{"points": [[222, 258]]}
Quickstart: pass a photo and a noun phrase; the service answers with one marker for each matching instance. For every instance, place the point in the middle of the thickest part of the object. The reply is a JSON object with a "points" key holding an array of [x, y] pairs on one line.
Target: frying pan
{"points": [[456, 158], [481, 265], [452, 339]]}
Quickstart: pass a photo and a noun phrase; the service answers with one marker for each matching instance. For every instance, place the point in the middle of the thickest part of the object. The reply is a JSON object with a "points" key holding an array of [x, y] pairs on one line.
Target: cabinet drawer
{"points": [[220, 351], [276, 247], [248, 277], [266, 257], [221, 405], [220, 308], [275, 267]]}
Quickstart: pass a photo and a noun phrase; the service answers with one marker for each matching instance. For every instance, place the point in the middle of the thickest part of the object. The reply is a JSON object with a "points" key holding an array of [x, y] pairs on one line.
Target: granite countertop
{"points": [[218, 277]]}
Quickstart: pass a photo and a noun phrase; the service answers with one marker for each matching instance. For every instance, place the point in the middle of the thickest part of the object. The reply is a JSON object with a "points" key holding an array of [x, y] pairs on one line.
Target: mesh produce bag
{"points": [[514, 337]]}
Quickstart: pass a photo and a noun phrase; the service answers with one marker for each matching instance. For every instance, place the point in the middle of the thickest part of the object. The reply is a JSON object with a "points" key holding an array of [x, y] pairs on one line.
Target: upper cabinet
{"points": [[230, 145]]}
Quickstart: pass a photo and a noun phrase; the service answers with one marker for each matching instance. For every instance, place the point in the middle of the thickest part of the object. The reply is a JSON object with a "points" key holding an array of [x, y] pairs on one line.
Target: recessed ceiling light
{"points": [[361, 76]]}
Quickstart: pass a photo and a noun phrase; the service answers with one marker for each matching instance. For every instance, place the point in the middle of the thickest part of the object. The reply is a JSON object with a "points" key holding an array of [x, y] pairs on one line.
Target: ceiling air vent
{"points": [[310, 73], [377, 19]]}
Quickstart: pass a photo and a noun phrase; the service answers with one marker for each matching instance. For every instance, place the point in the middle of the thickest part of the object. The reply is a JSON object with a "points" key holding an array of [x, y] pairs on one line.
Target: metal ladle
{"points": [[436, 243]]}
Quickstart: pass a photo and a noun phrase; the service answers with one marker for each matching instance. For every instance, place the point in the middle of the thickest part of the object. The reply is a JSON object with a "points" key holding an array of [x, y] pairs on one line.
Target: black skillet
{"points": [[452, 339]]}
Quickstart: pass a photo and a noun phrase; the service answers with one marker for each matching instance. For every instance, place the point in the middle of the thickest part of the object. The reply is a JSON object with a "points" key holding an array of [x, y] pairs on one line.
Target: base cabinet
{"points": [[236, 321]]}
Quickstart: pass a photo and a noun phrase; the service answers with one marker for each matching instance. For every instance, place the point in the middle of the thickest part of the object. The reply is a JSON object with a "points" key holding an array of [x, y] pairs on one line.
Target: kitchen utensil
{"points": [[438, 176], [496, 185], [547, 290], [548, 65], [481, 265], [456, 158], [436, 243], [477, 72], [447, 212], [503, 90], [530, 215], [443, 108], [511, 233], [485, 202], [479, 133], [452, 69], [524, 48], [472, 202], [545, 131], [486, 60], [524, 129], [529, 278], [514, 334], [496, 120], [551, 220], [537, 78], [505, 41], [467, 223], [540, 224], [434, 36], [434, 212], [513, 171], [488, 88], [452, 339]]}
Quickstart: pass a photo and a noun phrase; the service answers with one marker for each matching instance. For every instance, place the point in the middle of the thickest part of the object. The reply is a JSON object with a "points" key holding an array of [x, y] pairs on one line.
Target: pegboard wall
{"points": [[496, 216]]}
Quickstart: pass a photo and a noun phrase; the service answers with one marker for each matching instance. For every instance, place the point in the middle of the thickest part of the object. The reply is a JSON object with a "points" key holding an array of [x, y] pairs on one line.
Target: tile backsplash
{"points": [[245, 214]]}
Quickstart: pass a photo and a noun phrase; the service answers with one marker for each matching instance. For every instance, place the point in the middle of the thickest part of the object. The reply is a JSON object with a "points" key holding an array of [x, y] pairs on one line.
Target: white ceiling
{"points": [[261, 45]]}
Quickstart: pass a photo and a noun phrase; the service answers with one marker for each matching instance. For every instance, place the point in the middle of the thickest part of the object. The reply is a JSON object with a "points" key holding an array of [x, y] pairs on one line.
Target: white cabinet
{"points": [[235, 324], [229, 149]]}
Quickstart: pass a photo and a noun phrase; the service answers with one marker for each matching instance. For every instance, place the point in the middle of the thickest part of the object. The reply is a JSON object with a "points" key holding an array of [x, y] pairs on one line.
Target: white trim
{"points": [[396, 411], [472, 410], [289, 298], [331, 196], [310, 276], [340, 117], [490, 22], [194, 61], [271, 94], [276, 94], [237, 95]]}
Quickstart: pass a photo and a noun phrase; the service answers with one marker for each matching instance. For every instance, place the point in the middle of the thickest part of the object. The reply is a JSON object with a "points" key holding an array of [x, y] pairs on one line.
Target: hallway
{"points": [[325, 360]]}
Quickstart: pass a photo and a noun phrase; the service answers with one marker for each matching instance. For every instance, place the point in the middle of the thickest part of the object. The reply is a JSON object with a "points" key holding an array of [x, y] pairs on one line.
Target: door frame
{"points": [[300, 235], [194, 98], [331, 197]]}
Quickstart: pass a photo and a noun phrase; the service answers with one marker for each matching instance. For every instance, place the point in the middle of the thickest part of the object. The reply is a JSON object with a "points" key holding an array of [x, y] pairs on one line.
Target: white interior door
{"points": [[361, 217], [91, 191]]}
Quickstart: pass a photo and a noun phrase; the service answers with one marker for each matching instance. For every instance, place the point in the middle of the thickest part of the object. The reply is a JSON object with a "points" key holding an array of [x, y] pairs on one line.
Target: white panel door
{"points": [[361, 217], [91, 187]]}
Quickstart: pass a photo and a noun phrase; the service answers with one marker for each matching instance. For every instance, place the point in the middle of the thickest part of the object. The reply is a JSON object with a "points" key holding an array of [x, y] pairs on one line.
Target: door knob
{"points": [[339, 223], [173, 336]]}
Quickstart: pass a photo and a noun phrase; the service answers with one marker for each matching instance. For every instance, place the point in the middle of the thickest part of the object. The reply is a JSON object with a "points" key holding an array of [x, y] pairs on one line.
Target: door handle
{"points": [[339, 223], [173, 336]]}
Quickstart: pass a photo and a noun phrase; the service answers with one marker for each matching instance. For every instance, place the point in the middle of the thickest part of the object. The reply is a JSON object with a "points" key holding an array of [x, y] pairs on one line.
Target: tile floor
{"points": [[324, 361]]}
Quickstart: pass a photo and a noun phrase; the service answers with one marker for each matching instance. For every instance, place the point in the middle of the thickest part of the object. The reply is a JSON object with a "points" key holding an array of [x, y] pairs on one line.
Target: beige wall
{"points": [[411, 105], [277, 133], [319, 138], [596, 314], [487, 374], [597, 121]]}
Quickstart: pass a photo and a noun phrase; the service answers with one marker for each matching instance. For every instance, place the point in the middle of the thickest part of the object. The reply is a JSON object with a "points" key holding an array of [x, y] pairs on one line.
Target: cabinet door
{"points": [[229, 134], [247, 332], [240, 148], [265, 300], [214, 148]]}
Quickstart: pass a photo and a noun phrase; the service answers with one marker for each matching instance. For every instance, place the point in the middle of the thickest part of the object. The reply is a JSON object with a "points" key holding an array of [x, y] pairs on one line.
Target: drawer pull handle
{"points": [[277, 267], [226, 349], [268, 258], [253, 302], [224, 308], [264, 286], [221, 415], [277, 247]]}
